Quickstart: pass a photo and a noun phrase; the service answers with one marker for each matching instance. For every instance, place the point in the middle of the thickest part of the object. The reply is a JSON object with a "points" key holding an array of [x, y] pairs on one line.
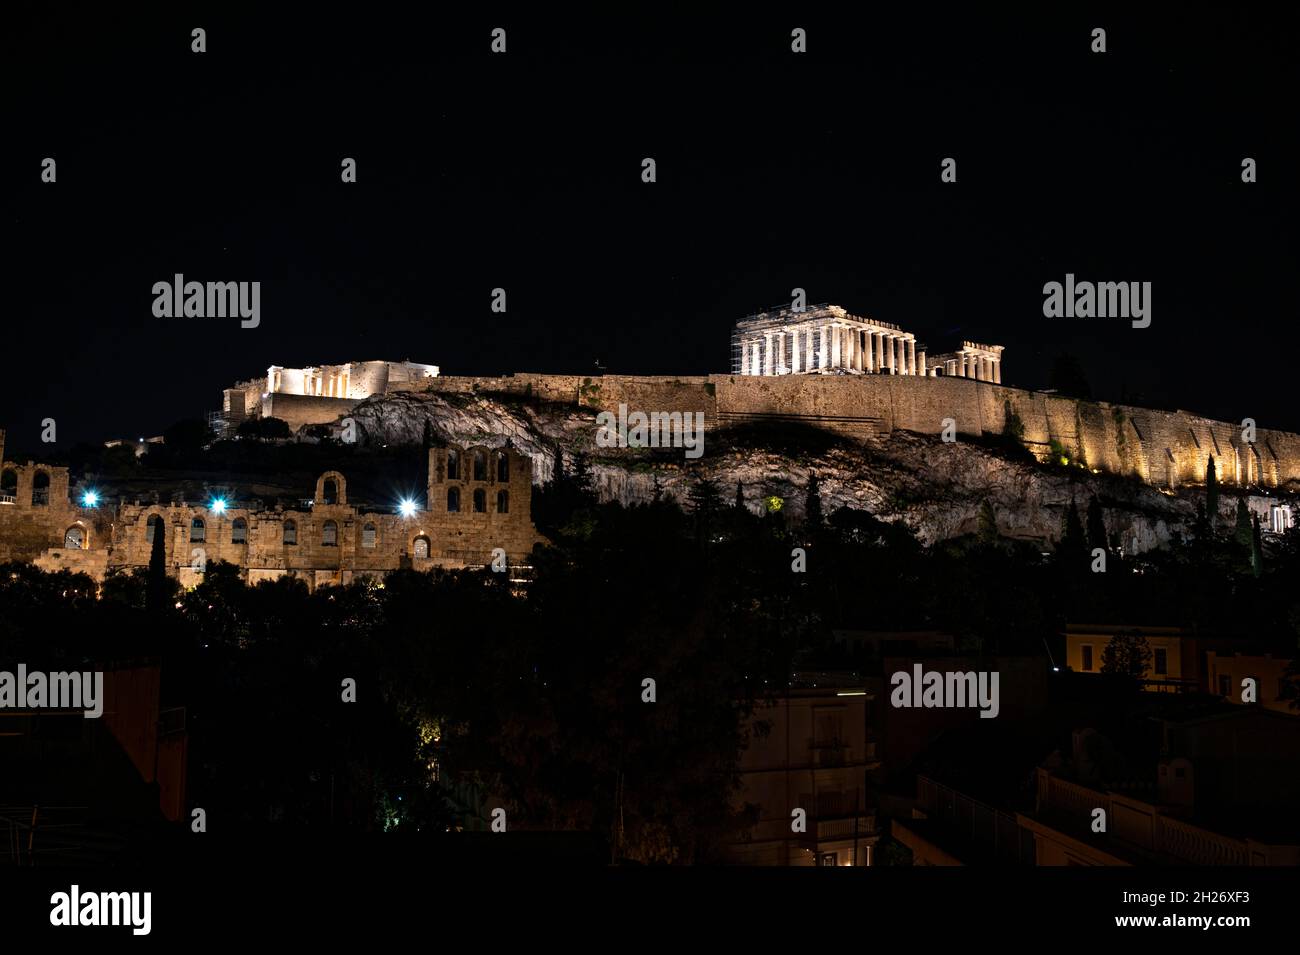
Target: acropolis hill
{"points": [[886, 425], [827, 369]]}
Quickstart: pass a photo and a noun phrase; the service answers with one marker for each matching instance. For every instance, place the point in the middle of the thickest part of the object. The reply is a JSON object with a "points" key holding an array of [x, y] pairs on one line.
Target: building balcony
{"points": [[1142, 831]]}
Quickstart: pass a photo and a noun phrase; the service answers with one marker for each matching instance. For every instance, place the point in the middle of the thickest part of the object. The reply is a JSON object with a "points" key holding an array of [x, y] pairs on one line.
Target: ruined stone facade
{"points": [[36, 513], [827, 340], [314, 395], [478, 500]]}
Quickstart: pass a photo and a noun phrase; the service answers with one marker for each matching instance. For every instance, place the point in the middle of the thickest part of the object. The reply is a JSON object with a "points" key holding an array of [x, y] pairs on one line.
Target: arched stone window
{"points": [[421, 548], [453, 500], [330, 491], [329, 535], [480, 465], [368, 534], [198, 531], [453, 465], [503, 502], [9, 486], [239, 531], [480, 501], [152, 526], [41, 489], [290, 532], [503, 467], [74, 538]]}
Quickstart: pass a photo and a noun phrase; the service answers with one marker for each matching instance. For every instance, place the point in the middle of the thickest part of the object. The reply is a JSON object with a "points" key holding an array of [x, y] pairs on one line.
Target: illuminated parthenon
{"points": [[826, 339], [972, 360]]}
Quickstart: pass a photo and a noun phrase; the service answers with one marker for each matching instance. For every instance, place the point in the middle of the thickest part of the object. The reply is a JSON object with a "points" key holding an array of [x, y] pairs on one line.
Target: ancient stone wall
{"points": [[327, 542], [35, 515], [299, 410], [1164, 448]]}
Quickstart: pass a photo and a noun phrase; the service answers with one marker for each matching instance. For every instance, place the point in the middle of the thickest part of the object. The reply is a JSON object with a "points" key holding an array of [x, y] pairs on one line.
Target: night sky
{"points": [[522, 171]]}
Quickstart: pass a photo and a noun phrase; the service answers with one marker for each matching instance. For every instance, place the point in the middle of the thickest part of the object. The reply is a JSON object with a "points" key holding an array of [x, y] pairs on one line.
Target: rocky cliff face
{"points": [[936, 488]]}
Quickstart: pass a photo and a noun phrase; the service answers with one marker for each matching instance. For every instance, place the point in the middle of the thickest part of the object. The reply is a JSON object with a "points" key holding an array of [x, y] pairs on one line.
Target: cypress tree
{"points": [[156, 580], [740, 497], [1256, 547], [1096, 525], [1212, 490], [813, 503], [1242, 530], [1072, 542]]}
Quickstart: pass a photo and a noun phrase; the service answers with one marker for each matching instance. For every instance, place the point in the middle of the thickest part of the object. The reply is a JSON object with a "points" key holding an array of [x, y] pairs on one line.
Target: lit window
{"points": [[290, 532], [239, 531], [368, 535], [421, 548], [75, 538], [198, 532], [329, 535]]}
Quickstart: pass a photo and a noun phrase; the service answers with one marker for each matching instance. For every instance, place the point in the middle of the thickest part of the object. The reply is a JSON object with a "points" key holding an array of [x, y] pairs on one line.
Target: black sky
{"points": [[522, 171]]}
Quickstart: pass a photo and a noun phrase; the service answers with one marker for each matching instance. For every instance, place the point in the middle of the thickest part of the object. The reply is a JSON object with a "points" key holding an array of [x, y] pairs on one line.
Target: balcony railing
{"points": [[1156, 832], [8, 499]]}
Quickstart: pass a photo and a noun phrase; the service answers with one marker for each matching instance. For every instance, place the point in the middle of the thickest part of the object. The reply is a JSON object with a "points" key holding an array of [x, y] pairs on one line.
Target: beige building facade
{"points": [[477, 512]]}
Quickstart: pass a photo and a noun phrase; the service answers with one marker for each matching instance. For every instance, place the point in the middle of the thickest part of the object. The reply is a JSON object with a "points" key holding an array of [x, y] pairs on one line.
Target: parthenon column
{"points": [[893, 354], [767, 353], [809, 358], [824, 358], [880, 352], [920, 364], [911, 356], [744, 356], [997, 370], [835, 346], [794, 351], [868, 353], [962, 359]]}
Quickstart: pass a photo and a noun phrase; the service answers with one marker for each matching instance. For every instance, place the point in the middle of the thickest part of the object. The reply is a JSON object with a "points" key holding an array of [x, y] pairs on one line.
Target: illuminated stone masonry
{"points": [[479, 499], [314, 395], [826, 339]]}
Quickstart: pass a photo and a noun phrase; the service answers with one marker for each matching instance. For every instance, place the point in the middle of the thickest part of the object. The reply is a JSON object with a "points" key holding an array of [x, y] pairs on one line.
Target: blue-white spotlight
{"points": [[406, 508], [90, 499], [219, 505]]}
